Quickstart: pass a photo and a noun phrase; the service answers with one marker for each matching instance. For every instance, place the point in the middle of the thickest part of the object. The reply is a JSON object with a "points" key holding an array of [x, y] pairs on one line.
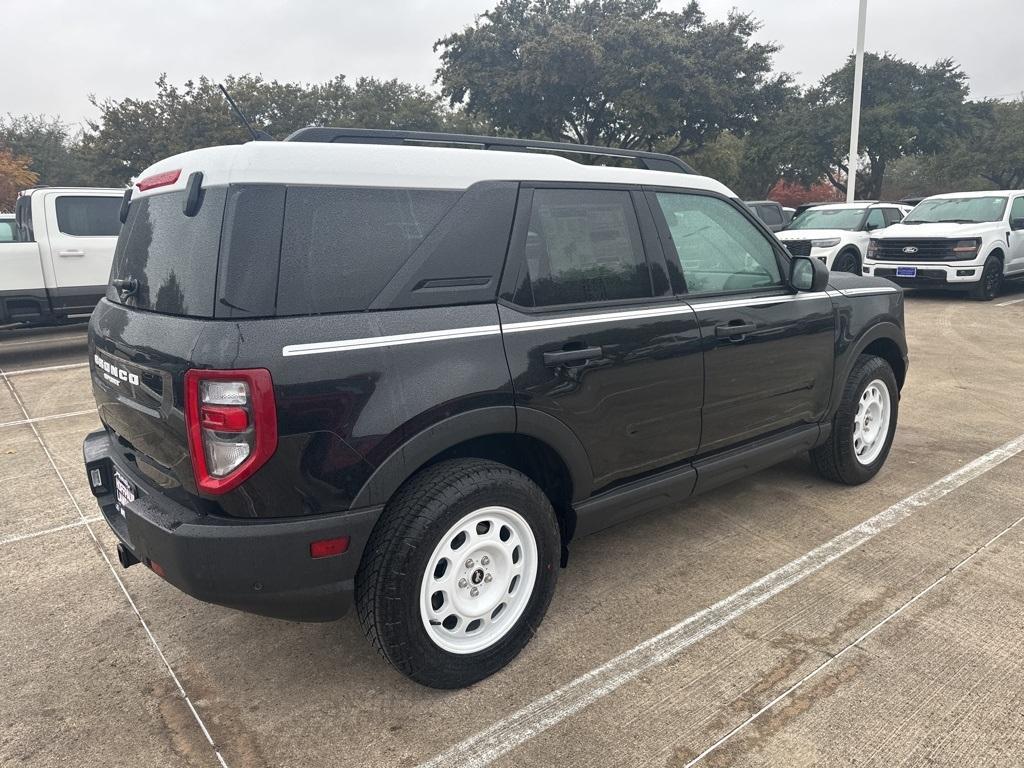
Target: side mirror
{"points": [[807, 274], [1017, 223]]}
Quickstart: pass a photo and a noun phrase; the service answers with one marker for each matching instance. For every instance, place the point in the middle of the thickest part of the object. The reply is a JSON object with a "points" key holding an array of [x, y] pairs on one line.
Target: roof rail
{"points": [[652, 161]]}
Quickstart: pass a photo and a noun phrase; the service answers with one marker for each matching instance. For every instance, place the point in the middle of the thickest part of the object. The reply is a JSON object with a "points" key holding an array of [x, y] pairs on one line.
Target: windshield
{"points": [[958, 210], [829, 218]]}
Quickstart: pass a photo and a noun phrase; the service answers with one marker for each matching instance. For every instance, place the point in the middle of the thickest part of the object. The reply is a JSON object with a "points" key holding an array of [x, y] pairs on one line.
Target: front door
{"points": [[593, 333], [1015, 238], [768, 352], [81, 236]]}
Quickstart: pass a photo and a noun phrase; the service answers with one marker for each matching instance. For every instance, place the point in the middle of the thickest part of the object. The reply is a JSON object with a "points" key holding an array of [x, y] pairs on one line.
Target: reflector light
{"points": [[156, 568], [223, 418], [158, 180], [328, 547]]}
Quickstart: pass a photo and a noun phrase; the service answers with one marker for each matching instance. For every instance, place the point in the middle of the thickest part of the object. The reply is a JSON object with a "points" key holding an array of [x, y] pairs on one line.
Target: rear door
{"points": [[81, 232], [593, 334], [768, 352]]}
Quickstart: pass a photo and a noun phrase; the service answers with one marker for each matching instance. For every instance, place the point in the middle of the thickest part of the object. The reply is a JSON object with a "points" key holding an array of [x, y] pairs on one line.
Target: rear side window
{"points": [[82, 216], [173, 257], [341, 246], [718, 248], [770, 215], [583, 246]]}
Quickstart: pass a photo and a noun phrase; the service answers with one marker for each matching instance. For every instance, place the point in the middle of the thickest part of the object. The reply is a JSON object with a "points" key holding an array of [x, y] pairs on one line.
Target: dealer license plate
{"points": [[124, 490], [906, 271]]}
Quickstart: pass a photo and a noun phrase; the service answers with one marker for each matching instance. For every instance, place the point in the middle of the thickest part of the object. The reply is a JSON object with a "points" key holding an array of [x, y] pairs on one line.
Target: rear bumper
{"points": [[259, 566]]}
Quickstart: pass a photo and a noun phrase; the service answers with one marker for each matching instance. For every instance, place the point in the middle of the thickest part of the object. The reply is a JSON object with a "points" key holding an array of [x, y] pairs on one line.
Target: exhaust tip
{"points": [[125, 556]]}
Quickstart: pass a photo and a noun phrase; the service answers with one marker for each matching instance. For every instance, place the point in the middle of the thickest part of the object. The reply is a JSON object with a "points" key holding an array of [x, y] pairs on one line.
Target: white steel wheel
{"points": [[871, 422], [479, 580]]}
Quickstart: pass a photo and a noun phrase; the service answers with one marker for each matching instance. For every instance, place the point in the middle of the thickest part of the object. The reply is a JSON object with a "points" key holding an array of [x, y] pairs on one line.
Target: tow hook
{"points": [[125, 556]]}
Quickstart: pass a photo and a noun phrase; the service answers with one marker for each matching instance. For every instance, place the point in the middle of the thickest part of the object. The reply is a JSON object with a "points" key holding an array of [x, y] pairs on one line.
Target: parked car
{"points": [[8, 228], [959, 241], [788, 213], [422, 371], [57, 263], [838, 233], [770, 212]]}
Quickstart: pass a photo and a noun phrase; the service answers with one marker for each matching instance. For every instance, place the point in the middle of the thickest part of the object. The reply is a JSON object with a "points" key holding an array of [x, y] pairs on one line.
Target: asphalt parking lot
{"points": [[782, 620]]}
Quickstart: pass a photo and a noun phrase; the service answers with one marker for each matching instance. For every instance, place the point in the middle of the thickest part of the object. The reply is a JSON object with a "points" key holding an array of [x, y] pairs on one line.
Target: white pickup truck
{"points": [[55, 260], [967, 241]]}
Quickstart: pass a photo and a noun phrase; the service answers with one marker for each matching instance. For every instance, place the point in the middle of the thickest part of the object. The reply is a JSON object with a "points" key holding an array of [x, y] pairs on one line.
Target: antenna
{"points": [[257, 135]]}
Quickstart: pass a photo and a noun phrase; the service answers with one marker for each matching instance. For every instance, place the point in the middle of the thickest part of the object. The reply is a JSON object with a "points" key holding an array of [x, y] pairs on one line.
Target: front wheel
{"points": [[991, 282], [864, 425], [459, 572], [847, 261]]}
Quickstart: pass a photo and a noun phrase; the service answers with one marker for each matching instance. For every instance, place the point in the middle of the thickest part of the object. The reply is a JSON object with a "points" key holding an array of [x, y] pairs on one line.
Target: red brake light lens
{"points": [[231, 418], [158, 180]]}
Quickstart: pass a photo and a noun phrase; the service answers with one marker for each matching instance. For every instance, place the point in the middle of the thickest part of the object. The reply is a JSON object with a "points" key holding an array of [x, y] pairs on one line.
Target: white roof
{"points": [[850, 206], [100, 191], [984, 193], [373, 165]]}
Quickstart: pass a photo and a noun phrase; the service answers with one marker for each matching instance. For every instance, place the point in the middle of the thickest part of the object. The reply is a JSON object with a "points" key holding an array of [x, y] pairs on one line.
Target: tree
{"points": [[14, 177], [52, 145], [995, 147], [131, 134], [907, 110], [611, 72]]}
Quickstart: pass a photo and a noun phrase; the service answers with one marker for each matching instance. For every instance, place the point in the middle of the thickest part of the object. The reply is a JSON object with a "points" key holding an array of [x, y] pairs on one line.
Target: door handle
{"points": [[568, 356], [735, 331], [71, 253]]}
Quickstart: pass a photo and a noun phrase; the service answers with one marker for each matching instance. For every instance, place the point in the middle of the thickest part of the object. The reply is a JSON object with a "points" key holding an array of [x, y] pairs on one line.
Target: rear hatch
{"points": [[149, 330]]}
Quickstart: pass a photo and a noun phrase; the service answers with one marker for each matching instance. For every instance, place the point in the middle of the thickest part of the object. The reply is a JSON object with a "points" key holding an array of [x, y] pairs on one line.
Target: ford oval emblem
{"points": [[910, 249]]}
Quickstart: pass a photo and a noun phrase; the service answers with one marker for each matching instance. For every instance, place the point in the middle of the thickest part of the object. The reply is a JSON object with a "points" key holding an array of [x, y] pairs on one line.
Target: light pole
{"points": [[858, 79]]}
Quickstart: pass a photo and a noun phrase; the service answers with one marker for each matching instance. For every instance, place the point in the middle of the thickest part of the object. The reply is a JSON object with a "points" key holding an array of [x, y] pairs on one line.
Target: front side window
{"points": [[718, 248], [1017, 210], [875, 220], [958, 210], [583, 246], [81, 216], [892, 215]]}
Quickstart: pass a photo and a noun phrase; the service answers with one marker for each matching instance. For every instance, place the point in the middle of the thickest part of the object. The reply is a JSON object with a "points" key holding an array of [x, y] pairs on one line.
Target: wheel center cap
{"points": [[477, 576]]}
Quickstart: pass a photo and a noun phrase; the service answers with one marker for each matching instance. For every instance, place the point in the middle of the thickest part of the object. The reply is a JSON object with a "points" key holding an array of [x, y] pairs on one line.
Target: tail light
{"points": [[231, 419]]}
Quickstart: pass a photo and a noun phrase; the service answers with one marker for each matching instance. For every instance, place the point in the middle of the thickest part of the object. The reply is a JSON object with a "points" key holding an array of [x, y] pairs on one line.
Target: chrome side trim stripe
{"points": [[867, 291], [679, 308], [320, 347]]}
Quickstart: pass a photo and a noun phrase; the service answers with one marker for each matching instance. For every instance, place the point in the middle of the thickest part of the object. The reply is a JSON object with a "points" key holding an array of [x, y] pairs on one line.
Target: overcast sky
{"points": [[63, 50]]}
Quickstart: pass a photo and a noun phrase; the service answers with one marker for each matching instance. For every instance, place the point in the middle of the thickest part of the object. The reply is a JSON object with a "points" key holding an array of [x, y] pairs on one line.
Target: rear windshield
{"points": [[171, 257], [7, 231]]}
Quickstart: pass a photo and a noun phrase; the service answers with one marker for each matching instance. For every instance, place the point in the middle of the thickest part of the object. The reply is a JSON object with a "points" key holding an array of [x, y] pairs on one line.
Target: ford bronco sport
{"points": [[381, 369]]}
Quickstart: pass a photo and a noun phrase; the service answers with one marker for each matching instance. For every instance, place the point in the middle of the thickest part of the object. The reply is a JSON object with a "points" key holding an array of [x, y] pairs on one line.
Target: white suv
{"points": [[838, 233], [959, 241]]}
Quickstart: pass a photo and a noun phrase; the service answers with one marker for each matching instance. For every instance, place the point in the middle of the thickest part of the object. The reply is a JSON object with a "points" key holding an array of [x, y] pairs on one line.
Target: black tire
{"points": [[847, 261], [390, 575], [836, 459], [991, 283]]}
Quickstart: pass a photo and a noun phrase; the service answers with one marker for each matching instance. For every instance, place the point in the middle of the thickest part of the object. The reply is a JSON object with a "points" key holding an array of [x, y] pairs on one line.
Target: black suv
{"points": [[397, 370]]}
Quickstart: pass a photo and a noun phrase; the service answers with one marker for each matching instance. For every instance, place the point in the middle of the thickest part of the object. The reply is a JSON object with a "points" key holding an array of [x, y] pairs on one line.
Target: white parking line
{"points": [[501, 738], [832, 659], [22, 536], [37, 419], [44, 368], [99, 548], [42, 340], [1008, 303]]}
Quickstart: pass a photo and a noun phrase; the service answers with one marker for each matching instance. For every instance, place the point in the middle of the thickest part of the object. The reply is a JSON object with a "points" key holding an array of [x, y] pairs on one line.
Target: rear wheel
{"points": [[991, 282], [864, 425], [459, 572], [847, 261]]}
